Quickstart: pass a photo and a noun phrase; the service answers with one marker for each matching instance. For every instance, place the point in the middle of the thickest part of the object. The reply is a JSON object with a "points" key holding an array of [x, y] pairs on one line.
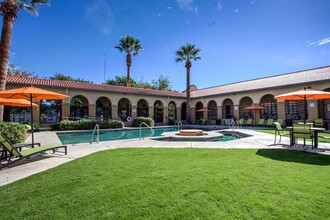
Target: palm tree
{"points": [[129, 45], [9, 10], [187, 53]]}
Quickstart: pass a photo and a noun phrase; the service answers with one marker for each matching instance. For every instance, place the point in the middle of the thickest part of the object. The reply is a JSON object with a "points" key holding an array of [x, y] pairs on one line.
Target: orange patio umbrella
{"points": [[254, 107], [305, 94], [31, 93], [17, 102]]}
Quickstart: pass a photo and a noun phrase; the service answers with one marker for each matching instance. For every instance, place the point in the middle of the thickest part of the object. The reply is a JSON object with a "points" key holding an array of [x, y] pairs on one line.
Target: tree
{"points": [[60, 76], [9, 10], [129, 45], [13, 71], [162, 83], [186, 53]]}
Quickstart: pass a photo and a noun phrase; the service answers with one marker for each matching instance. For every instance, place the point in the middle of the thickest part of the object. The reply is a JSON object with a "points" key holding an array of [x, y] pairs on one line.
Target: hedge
{"points": [[14, 132], [138, 120], [87, 124]]}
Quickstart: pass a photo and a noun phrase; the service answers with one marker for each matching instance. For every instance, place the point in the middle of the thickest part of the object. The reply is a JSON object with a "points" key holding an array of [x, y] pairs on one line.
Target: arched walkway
{"points": [[142, 108], [158, 112], [227, 109], [213, 110], [199, 114], [124, 109], [171, 113], [270, 105], [103, 108], [78, 107], [243, 113]]}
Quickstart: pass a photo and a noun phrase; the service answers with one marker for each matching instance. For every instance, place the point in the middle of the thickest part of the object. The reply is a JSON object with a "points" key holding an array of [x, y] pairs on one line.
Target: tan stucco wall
{"points": [[255, 96]]}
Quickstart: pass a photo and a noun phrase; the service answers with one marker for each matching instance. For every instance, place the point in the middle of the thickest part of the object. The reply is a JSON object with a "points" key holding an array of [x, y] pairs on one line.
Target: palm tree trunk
{"points": [[9, 11], [128, 63], [188, 117]]}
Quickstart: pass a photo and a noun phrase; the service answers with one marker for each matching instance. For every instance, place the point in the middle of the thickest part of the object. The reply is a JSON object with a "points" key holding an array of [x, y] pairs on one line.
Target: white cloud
{"points": [[100, 15], [188, 5], [219, 5], [236, 11], [253, 1], [319, 42]]}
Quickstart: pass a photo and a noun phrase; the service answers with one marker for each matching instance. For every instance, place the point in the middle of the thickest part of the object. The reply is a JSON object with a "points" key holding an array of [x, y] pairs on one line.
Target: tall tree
{"points": [[130, 46], [186, 53], [9, 10]]}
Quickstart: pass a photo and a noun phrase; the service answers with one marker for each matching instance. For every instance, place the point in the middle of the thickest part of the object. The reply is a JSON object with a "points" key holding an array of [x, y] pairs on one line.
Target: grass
{"points": [[324, 140], [176, 184]]}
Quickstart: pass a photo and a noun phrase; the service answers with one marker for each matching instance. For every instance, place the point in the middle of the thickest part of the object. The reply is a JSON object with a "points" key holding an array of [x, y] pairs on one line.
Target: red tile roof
{"points": [[305, 77], [89, 86]]}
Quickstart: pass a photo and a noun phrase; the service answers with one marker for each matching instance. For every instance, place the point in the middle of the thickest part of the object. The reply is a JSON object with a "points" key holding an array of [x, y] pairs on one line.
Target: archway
{"points": [[158, 111], [103, 108], [171, 113], [213, 111], [124, 109], [228, 109], [243, 113], [199, 106], [78, 107], [270, 105], [183, 111], [50, 111], [142, 108]]}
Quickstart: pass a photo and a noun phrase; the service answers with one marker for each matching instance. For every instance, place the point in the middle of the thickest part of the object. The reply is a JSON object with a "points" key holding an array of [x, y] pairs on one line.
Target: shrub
{"points": [[15, 132], [138, 120], [87, 124]]}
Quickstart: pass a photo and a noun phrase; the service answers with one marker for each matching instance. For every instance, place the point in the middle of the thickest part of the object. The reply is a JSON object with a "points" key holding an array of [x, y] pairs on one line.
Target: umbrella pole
{"points": [[305, 108], [32, 121]]}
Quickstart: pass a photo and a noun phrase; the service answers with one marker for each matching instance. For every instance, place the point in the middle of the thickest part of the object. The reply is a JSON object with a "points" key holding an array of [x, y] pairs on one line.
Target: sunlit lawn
{"points": [[176, 184], [320, 139]]}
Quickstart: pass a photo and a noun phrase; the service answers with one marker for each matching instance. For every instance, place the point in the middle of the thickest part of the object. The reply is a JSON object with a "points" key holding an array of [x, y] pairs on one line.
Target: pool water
{"points": [[83, 137]]}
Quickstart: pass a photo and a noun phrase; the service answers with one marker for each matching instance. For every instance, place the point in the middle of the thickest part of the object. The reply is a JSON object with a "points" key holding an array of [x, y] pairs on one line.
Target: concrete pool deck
{"points": [[25, 168]]}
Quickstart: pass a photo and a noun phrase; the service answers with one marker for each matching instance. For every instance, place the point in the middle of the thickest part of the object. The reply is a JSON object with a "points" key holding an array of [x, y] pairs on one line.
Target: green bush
{"points": [[87, 124], [138, 120], [15, 132]]}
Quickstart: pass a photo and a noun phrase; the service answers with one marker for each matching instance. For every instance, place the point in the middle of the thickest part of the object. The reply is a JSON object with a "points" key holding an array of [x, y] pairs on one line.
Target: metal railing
{"points": [[233, 124], [143, 123], [179, 123], [97, 130]]}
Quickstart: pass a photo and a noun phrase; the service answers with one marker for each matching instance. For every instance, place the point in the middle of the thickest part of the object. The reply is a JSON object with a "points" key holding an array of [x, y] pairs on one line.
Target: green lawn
{"points": [[271, 131], [176, 184]]}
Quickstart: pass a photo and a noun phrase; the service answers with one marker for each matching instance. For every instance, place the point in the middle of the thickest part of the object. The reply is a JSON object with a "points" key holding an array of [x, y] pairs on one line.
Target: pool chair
{"points": [[13, 151], [261, 122], [303, 131], [241, 121], [280, 121], [249, 122], [318, 122], [270, 122], [278, 131]]}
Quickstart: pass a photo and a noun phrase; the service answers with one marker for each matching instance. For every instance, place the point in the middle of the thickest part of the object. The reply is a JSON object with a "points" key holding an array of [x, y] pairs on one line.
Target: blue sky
{"points": [[239, 39]]}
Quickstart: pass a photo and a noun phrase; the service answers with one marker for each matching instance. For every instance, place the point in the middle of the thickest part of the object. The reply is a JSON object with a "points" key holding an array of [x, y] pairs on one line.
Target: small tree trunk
{"points": [[188, 117], [128, 63], [9, 11]]}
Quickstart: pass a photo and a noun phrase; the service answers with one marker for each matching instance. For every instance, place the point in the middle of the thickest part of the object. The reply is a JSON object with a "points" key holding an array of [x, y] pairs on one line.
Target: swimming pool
{"points": [[84, 137], [87, 137]]}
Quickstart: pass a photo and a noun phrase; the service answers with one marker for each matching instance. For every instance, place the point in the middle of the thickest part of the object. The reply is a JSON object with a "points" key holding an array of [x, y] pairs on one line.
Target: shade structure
{"points": [[17, 102], [304, 94], [31, 93], [254, 107]]}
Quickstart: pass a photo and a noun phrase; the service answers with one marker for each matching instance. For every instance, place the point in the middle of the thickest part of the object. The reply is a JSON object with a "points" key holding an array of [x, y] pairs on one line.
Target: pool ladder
{"points": [[97, 130], [143, 123], [179, 123], [233, 124]]}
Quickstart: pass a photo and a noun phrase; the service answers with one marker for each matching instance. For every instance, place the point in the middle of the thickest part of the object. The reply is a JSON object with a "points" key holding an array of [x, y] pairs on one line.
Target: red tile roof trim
{"points": [[89, 86]]}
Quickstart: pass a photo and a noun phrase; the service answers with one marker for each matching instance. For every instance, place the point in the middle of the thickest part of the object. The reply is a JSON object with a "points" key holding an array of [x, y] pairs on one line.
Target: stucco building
{"points": [[222, 102]]}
